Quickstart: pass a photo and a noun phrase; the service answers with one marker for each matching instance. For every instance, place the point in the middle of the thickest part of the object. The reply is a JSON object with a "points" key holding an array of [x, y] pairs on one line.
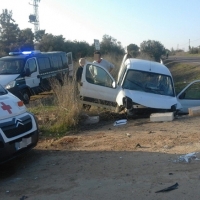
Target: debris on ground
{"points": [[120, 122], [173, 187], [138, 145], [90, 119], [187, 157], [128, 134]]}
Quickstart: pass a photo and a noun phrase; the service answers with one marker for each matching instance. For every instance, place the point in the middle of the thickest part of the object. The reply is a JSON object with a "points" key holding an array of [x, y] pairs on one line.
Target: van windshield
{"points": [[148, 82], [12, 66]]}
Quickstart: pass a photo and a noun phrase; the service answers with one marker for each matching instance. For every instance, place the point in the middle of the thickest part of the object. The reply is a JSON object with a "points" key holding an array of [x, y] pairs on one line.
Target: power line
{"points": [[189, 42]]}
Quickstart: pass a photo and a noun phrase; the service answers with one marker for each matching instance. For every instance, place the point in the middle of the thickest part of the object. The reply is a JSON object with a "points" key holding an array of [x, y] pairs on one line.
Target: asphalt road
{"points": [[180, 59]]}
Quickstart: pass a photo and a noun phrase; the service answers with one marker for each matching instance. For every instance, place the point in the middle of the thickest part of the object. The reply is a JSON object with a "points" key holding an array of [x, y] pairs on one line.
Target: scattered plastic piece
{"points": [[120, 122], [188, 157], [173, 187]]}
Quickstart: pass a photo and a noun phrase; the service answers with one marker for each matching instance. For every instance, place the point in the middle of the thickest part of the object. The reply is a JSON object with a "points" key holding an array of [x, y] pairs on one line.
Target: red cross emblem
{"points": [[6, 107]]}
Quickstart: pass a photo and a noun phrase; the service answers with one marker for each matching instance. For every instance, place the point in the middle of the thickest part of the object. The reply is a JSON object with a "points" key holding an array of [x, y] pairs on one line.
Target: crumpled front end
{"points": [[143, 101]]}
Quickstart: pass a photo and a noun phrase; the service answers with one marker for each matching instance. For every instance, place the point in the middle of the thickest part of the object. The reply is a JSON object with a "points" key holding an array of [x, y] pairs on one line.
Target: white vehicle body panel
{"points": [[32, 80], [147, 99], [98, 91], [9, 107]]}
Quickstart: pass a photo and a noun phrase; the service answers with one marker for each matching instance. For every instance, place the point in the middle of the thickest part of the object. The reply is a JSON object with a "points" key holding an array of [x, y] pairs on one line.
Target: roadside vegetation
{"points": [[59, 112], [184, 73]]}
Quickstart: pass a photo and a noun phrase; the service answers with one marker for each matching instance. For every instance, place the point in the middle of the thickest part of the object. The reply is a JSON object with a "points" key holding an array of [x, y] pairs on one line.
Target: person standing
{"points": [[104, 63], [79, 71]]}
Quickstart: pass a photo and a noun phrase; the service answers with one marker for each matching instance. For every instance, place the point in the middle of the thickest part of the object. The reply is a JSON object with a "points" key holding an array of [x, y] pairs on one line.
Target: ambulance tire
{"points": [[25, 96]]}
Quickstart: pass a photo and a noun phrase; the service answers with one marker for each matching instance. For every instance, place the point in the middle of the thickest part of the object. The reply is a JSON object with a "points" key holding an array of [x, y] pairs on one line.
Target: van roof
{"points": [[146, 65], [23, 56]]}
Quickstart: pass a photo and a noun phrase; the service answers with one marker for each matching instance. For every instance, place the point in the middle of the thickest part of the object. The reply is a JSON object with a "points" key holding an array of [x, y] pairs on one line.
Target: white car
{"points": [[18, 127], [142, 86]]}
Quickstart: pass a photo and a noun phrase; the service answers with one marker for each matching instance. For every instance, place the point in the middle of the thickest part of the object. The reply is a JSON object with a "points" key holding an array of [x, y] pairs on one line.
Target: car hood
{"points": [[9, 106], [5, 79], [149, 100]]}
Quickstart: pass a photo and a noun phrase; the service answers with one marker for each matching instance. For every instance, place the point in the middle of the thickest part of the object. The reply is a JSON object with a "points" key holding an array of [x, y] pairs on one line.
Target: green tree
{"points": [[79, 48], [50, 42], [110, 45], [9, 32], [152, 48], [25, 40], [133, 50], [38, 35]]}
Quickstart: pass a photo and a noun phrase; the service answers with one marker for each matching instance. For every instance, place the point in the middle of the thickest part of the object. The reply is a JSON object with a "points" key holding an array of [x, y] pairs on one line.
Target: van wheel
{"points": [[25, 96], [130, 112]]}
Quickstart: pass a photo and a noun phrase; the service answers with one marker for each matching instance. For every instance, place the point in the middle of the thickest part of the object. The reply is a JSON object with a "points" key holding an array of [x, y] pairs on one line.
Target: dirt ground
{"points": [[103, 161]]}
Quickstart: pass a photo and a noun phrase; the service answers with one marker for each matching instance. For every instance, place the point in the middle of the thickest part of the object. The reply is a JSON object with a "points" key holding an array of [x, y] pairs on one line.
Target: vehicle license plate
{"points": [[24, 143]]}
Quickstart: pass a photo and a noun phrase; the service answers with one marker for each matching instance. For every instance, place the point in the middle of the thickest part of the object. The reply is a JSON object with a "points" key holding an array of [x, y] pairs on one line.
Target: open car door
{"points": [[189, 96], [98, 87]]}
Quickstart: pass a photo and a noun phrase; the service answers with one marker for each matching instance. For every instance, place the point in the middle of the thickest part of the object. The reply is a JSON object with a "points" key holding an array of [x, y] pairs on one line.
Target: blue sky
{"points": [[174, 23]]}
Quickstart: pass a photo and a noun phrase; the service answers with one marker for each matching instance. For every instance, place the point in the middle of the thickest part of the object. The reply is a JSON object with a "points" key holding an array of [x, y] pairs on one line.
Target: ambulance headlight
{"points": [[10, 85]]}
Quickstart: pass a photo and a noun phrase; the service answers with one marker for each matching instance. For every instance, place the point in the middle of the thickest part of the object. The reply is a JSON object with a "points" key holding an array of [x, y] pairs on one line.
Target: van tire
{"points": [[25, 96]]}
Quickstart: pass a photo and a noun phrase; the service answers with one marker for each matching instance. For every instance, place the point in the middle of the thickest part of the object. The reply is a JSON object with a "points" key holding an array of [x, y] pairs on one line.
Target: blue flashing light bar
{"points": [[24, 53], [14, 53]]}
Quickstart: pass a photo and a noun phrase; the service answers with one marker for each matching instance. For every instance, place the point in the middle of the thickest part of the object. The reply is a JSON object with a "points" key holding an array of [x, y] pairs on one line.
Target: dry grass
{"points": [[59, 112], [184, 73]]}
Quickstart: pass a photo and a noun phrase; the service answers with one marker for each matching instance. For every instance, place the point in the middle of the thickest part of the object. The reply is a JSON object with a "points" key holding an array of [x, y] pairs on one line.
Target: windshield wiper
{"points": [[154, 89], [136, 83]]}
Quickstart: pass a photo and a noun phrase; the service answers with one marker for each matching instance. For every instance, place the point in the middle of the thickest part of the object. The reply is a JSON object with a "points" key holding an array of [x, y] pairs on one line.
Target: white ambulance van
{"points": [[18, 127]]}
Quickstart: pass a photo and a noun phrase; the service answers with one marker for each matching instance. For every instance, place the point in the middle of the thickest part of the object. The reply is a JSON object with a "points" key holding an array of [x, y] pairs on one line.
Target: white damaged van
{"points": [[18, 127], [142, 86]]}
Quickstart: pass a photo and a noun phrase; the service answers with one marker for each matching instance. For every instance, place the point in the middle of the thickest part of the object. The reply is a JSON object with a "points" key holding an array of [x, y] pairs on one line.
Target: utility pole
{"points": [[34, 18], [189, 45]]}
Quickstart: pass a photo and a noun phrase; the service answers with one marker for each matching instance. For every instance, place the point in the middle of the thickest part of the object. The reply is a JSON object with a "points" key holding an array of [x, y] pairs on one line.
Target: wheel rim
{"points": [[26, 97]]}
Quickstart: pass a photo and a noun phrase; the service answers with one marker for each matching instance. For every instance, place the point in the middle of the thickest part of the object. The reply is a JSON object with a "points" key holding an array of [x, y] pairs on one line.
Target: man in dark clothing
{"points": [[80, 70]]}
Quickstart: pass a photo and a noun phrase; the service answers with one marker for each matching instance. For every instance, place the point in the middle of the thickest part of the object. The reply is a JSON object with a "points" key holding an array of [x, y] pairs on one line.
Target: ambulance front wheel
{"points": [[25, 96]]}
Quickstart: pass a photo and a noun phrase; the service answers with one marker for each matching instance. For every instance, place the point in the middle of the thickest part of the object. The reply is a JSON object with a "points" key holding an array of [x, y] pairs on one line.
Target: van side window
{"points": [[98, 76], [31, 64], [192, 92], [43, 63], [57, 61]]}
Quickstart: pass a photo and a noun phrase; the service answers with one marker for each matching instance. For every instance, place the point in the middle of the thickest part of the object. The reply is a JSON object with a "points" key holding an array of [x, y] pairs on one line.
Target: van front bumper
{"points": [[16, 139]]}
